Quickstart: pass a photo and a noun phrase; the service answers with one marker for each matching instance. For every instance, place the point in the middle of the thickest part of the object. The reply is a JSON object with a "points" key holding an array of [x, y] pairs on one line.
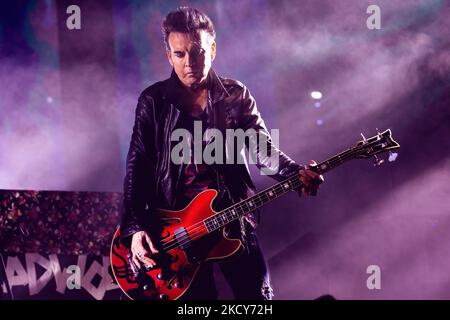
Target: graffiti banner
{"points": [[38, 276]]}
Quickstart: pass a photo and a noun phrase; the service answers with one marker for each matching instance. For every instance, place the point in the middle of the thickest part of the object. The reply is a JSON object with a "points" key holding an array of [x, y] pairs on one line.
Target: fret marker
{"points": [[286, 185], [323, 167], [250, 204], [271, 193]]}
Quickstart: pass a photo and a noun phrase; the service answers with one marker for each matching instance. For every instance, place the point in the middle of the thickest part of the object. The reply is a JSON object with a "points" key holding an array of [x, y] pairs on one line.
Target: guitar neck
{"points": [[335, 161], [239, 209]]}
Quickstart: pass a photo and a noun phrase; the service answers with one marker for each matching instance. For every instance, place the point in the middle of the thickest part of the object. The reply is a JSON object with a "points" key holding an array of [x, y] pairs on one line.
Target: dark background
{"points": [[67, 100]]}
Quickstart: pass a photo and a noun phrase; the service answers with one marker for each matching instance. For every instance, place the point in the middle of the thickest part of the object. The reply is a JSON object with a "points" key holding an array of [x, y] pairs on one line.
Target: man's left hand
{"points": [[310, 179]]}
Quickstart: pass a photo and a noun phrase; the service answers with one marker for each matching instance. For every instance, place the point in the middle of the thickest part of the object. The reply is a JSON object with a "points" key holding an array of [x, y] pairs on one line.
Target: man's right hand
{"points": [[140, 254]]}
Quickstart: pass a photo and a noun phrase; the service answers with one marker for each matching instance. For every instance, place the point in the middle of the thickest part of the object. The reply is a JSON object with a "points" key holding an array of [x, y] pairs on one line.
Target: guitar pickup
{"points": [[182, 237]]}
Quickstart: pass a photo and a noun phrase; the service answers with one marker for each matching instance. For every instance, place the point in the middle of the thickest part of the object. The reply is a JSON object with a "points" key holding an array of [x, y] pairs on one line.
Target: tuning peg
{"points": [[377, 161], [392, 156], [364, 138], [379, 134]]}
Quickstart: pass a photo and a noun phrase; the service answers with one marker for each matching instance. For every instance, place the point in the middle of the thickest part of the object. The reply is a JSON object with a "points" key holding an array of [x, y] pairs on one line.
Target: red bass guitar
{"points": [[192, 236]]}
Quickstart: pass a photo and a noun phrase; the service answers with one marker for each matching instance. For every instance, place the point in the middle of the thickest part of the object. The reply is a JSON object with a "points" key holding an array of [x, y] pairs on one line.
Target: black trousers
{"points": [[247, 274]]}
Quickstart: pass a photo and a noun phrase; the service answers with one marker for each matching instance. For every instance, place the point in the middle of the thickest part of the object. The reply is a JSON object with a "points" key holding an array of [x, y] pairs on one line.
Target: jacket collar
{"points": [[216, 87]]}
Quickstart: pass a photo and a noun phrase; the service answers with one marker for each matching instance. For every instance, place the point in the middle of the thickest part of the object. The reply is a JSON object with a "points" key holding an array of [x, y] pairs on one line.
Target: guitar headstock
{"points": [[379, 143]]}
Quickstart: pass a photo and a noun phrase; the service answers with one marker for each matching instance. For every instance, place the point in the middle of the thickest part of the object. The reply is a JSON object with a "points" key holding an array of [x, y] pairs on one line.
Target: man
{"points": [[194, 93]]}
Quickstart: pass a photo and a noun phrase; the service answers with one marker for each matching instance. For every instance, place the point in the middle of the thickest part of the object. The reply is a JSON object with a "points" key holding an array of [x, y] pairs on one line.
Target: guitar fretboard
{"points": [[250, 204], [235, 211]]}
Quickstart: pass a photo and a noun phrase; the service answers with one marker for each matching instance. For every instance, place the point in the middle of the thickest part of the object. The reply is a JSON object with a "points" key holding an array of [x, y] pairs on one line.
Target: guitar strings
{"points": [[197, 230], [340, 158], [226, 211]]}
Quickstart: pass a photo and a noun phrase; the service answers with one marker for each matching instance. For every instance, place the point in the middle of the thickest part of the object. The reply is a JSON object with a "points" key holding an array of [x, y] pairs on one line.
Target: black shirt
{"points": [[195, 177]]}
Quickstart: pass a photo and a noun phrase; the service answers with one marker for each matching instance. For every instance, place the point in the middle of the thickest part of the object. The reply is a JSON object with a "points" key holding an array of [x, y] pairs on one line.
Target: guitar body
{"points": [[185, 244]]}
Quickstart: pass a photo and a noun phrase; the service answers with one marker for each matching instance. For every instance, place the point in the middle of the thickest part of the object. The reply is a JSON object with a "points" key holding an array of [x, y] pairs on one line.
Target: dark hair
{"points": [[186, 20]]}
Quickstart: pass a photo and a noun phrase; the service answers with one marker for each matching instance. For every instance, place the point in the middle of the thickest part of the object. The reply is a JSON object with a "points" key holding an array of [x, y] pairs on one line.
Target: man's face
{"points": [[191, 55]]}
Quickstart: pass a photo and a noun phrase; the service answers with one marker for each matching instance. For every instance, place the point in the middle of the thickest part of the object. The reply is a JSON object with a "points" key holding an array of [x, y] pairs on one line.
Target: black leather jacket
{"points": [[149, 181]]}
